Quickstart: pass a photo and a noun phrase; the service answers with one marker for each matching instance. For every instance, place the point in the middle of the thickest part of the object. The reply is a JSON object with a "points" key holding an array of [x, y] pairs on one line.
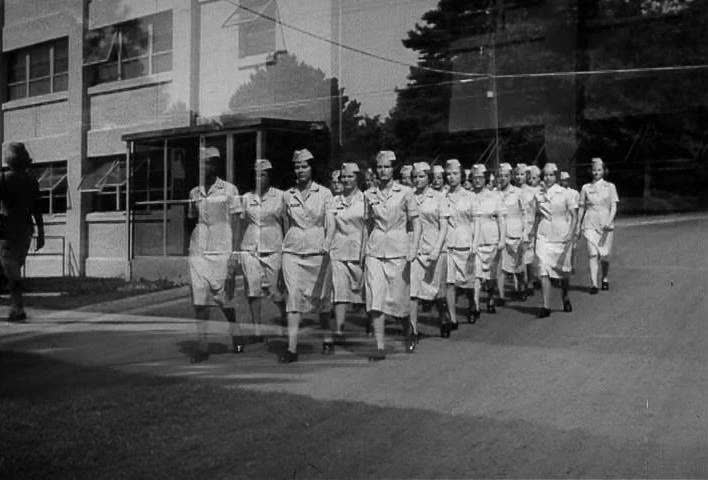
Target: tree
{"points": [[422, 111], [440, 111], [292, 89]]}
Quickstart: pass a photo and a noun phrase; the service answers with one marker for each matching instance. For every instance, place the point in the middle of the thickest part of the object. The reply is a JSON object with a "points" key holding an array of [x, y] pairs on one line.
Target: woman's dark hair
{"points": [[17, 157]]}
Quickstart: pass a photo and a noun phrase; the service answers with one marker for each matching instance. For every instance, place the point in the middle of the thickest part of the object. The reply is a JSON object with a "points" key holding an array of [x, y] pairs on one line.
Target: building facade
{"points": [[114, 98], [80, 77]]}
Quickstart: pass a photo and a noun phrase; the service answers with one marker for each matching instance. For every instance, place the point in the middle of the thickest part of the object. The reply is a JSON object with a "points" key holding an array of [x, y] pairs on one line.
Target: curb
{"points": [[128, 303], [659, 219], [135, 303]]}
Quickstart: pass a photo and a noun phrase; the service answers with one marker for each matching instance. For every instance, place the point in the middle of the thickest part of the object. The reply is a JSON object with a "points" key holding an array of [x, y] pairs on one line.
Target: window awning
{"points": [[51, 177], [93, 182], [107, 175]]}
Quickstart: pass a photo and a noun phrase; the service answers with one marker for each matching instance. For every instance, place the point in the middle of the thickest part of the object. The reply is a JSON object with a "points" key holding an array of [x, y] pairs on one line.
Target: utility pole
{"points": [[498, 12]]}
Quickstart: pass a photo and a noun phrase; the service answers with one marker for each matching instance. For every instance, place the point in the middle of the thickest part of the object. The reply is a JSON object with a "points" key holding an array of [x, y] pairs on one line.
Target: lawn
{"points": [[76, 292]]}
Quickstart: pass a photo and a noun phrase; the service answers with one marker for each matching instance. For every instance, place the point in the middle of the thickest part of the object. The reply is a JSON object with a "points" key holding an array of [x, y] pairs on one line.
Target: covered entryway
{"points": [[164, 166]]}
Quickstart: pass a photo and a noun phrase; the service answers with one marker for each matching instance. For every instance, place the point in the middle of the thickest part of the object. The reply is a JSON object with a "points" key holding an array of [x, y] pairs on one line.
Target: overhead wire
{"points": [[471, 76], [355, 49]]}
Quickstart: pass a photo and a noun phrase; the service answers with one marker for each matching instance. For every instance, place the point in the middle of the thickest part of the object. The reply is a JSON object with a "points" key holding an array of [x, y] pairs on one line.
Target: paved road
{"points": [[618, 387]]}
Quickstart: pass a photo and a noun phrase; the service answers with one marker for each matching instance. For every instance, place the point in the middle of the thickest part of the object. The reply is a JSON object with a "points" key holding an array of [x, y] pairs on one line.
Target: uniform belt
{"points": [[462, 249]]}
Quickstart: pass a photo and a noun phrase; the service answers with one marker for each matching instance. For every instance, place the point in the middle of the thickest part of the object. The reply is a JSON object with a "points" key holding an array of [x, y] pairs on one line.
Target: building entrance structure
{"points": [[164, 166]]}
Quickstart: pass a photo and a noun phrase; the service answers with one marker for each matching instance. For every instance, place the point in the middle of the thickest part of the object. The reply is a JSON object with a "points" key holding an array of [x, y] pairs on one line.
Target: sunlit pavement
{"points": [[628, 364]]}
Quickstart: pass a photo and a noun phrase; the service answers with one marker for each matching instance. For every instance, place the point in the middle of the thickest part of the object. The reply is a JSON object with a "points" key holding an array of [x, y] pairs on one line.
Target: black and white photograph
{"points": [[356, 239]]}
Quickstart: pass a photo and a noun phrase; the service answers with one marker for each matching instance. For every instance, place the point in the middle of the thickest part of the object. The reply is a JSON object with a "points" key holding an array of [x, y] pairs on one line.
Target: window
{"points": [[38, 70], [148, 177], [107, 182], [257, 33], [52, 186], [129, 50]]}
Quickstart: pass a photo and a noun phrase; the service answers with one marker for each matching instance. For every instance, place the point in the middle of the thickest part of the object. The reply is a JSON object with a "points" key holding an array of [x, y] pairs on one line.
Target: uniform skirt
{"points": [[260, 273], [512, 257], [208, 273], [484, 261], [428, 278], [347, 282], [307, 283], [460, 267], [529, 252], [599, 243], [387, 286], [554, 258]]}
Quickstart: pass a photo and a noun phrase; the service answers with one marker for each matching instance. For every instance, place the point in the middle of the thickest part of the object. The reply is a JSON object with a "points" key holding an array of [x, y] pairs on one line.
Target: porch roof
{"points": [[230, 123]]}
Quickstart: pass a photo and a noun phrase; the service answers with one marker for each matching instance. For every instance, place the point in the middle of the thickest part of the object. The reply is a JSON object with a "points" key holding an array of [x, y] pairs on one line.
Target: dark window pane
{"points": [[17, 91], [61, 82], [16, 67], [134, 68], [106, 72], [162, 62], [135, 39], [39, 62], [105, 202], [162, 32], [44, 204], [59, 205], [39, 87], [61, 56], [101, 45]]}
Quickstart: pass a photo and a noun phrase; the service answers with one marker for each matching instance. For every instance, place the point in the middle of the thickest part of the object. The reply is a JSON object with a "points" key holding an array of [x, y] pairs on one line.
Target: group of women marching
{"points": [[397, 246]]}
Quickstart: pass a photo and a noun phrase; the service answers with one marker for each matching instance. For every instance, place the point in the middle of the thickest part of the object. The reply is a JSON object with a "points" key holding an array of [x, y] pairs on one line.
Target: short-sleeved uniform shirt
{"points": [[574, 194], [597, 198], [306, 213], [433, 210], [389, 211], [488, 207], [528, 197], [213, 209], [515, 212], [461, 222], [349, 222], [555, 207], [264, 221]]}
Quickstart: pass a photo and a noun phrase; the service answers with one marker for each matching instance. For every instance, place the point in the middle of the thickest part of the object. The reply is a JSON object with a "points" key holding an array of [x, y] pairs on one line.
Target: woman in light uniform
{"points": [[555, 230], [531, 188], [511, 261], [438, 182], [429, 266], [489, 237], [262, 243], [335, 184], [564, 181], [305, 266], [467, 182], [459, 241], [598, 203], [346, 241], [405, 173], [389, 207], [215, 206]]}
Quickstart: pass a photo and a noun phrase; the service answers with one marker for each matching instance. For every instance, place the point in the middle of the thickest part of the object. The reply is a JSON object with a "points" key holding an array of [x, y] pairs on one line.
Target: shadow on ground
{"points": [[62, 421]]}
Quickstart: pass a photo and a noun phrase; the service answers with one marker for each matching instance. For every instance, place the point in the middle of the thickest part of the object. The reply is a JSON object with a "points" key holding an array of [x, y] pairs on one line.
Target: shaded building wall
{"points": [[48, 124]]}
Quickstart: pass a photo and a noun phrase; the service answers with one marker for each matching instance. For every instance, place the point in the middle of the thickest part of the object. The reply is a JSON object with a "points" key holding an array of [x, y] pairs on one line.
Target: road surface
{"points": [[617, 388]]}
